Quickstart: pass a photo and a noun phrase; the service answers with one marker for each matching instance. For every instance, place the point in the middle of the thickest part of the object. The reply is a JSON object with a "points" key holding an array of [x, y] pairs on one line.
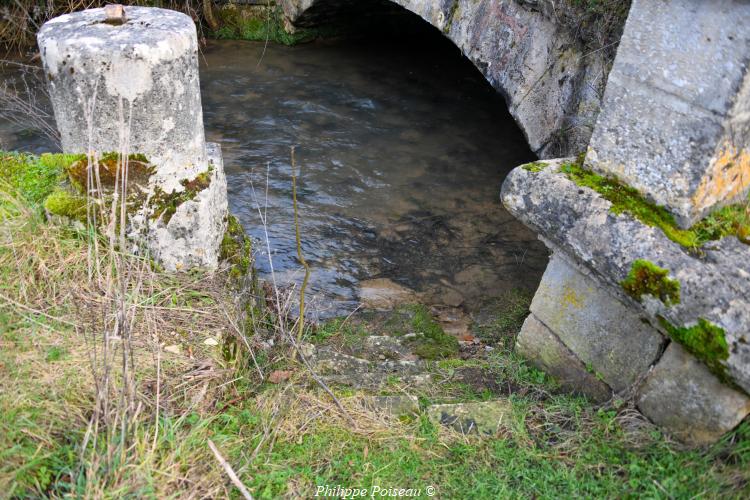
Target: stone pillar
{"points": [[130, 85], [675, 118]]}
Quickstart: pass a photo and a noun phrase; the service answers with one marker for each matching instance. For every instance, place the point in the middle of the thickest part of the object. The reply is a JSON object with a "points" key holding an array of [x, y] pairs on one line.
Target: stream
{"points": [[401, 151]]}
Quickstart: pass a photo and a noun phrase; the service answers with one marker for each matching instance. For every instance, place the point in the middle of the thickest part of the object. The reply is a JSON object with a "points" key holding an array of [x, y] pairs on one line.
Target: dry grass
{"points": [[21, 19]]}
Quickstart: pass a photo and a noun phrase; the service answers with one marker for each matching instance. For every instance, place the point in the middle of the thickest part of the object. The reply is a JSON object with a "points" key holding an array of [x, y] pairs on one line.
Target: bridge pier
{"points": [[648, 289]]}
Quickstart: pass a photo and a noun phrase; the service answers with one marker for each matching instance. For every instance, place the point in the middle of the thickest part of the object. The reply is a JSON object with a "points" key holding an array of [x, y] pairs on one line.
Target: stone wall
{"points": [[551, 83], [647, 295]]}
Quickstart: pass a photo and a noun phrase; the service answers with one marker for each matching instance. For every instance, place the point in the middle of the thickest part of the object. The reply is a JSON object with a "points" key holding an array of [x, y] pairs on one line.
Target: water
{"points": [[402, 148]]}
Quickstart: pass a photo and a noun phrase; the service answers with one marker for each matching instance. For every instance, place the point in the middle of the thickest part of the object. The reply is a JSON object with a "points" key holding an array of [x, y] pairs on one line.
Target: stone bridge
{"points": [[646, 298], [552, 87], [647, 295]]}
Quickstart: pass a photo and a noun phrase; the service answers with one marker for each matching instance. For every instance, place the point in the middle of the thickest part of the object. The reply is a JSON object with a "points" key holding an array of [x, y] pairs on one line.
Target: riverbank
{"points": [[193, 382]]}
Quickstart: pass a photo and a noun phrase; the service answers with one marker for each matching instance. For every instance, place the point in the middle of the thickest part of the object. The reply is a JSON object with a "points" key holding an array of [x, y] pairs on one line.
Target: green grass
{"points": [[508, 314], [554, 447], [269, 26], [34, 178], [431, 342]]}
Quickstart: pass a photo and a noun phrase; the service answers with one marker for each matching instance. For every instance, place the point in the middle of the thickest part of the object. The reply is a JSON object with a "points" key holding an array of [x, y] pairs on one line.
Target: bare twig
{"points": [[230, 472]]}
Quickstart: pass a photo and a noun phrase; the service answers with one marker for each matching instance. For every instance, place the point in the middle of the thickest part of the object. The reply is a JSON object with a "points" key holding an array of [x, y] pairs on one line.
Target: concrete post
{"points": [[127, 82]]}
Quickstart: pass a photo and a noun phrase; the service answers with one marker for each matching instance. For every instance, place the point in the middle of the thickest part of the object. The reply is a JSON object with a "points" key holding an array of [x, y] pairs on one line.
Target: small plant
{"points": [[704, 340], [646, 278]]}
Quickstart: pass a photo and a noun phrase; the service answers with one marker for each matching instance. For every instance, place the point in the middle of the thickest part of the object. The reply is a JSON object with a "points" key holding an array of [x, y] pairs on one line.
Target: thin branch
{"points": [[230, 472]]}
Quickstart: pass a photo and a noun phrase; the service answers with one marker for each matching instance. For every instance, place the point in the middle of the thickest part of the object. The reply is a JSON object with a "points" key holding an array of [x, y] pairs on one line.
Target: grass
{"points": [[508, 313], [430, 341], [281, 439]]}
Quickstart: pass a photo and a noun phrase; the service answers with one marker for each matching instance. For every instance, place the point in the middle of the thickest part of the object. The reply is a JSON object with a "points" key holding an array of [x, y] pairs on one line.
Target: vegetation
{"points": [[164, 205], [598, 23], [732, 220], [646, 278], [280, 439], [261, 24], [535, 167], [705, 341], [507, 314], [429, 341]]}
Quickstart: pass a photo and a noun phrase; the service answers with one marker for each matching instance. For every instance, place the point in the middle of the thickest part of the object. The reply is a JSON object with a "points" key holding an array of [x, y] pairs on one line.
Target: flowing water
{"points": [[402, 150]]}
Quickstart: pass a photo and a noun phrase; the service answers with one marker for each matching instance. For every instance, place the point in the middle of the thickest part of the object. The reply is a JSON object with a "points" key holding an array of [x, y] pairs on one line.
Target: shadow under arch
{"points": [[551, 88]]}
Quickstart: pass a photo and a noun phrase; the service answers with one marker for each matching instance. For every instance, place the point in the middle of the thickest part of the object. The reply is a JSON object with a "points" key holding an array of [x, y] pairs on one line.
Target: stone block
{"points": [[485, 418], [545, 351], [675, 119], [609, 338], [192, 236], [128, 83], [577, 220], [684, 398]]}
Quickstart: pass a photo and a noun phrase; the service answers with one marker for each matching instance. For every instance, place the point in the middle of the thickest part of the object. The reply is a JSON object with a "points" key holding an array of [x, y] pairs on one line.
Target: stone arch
{"points": [[552, 89]]}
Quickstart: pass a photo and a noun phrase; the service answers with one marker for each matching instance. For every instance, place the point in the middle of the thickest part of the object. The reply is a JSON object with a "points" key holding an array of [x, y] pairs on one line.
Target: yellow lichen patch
{"points": [[727, 178], [571, 298]]}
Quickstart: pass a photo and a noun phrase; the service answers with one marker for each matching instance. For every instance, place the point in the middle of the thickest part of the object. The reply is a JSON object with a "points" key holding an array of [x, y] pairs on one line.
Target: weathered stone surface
{"points": [[192, 236], [579, 222], [677, 128], [683, 397], [539, 66], [396, 406], [485, 418], [545, 351], [133, 87], [607, 336], [140, 77]]}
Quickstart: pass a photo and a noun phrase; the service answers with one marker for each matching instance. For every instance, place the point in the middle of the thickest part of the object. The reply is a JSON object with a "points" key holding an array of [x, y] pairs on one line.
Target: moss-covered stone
{"points": [[261, 23], [431, 341], [236, 249], [64, 203], [646, 278], [535, 166], [732, 220], [111, 166], [705, 341], [164, 205]]}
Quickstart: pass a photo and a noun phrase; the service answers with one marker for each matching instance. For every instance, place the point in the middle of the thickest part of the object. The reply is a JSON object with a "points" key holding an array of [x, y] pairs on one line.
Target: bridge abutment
{"points": [[648, 289]]}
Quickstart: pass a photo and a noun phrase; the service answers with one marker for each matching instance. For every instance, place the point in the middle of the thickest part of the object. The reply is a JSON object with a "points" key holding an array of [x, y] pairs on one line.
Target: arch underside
{"points": [[551, 89]]}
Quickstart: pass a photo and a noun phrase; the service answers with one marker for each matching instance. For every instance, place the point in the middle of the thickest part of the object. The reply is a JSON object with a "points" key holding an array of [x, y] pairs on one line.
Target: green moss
{"points": [[66, 204], [236, 248], [261, 25], [704, 340], [110, 171], [164, 205], [34, 177], [536, 166], [646, 278], [431, 341], [732, 220]]}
